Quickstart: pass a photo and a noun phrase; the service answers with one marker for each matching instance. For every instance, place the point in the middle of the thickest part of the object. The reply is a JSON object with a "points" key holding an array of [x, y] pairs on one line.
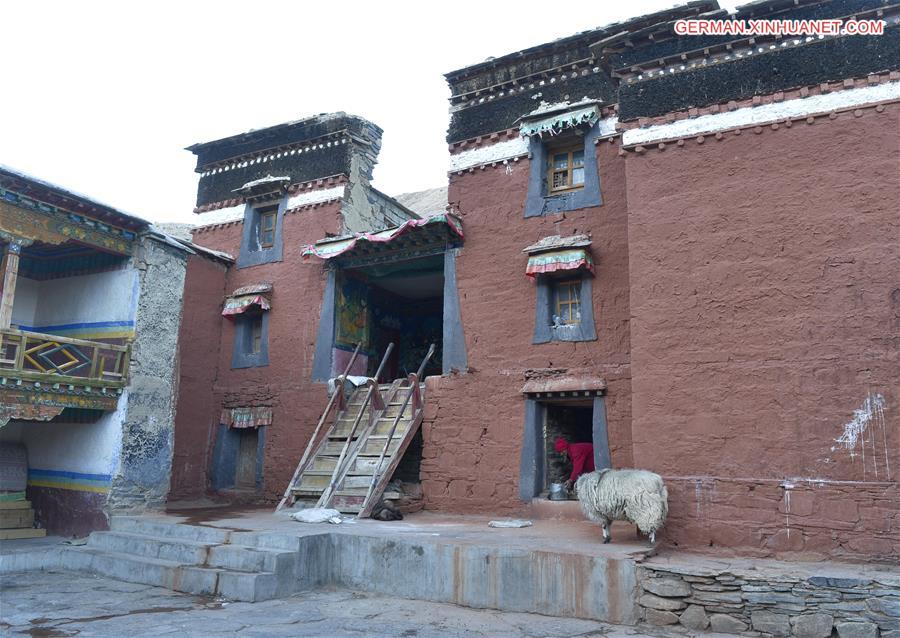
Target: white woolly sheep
{"points": [[637, 496]]}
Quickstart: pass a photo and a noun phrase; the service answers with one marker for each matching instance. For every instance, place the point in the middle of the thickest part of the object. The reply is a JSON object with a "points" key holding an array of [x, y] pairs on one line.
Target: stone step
{"points": [[241, 558], [161, 529], [174, 549], [190, 579]]}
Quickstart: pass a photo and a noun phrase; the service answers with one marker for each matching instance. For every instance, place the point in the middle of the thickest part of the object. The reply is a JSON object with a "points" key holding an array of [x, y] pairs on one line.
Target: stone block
{"points": [[797, 503], [812, 625], [719, 596], [856, 630], [247, 587], [771, 623], [664, 604], [773, 598], [846, 606], [657, 617], [694, 617], [886, 606], [667, 587], [786, 541], [717, 587], [726, 624], [824, 581]]}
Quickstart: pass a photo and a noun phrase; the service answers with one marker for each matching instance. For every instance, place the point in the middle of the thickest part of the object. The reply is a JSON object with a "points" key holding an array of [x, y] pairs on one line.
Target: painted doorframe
{"points": [[532, 466]]}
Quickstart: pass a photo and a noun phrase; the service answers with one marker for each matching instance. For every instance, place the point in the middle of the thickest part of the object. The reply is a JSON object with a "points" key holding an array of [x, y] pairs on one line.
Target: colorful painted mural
{"points": [[352, 314]]}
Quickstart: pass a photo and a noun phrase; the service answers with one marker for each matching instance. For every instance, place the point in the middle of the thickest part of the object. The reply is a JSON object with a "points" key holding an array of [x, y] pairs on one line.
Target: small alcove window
{"points": [[254, 333], [268, 218]]}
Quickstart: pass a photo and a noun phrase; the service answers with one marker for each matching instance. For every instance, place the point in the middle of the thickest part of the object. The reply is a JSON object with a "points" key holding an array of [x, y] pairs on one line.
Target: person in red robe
{"points": [[581, 455]]}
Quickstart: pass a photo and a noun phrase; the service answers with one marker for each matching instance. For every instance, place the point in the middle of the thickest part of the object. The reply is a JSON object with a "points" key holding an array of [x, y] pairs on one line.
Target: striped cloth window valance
{"points": [[559, 260], [246, 417]]}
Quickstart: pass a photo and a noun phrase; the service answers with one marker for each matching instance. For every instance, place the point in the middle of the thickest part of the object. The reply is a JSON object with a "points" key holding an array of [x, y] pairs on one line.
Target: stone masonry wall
{"points": [[761, 602], [148, 431]]}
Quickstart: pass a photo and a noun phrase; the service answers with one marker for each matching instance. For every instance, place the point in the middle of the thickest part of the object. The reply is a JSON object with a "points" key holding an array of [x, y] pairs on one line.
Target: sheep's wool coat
{"points": [[637, 496]]}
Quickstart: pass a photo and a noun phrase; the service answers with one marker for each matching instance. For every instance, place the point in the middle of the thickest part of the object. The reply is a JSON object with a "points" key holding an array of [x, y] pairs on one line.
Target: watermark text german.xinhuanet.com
{"points": [[835, 26]]}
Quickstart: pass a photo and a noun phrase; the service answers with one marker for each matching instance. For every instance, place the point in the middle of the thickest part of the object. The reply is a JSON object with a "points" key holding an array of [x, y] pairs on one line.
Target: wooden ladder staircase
{"points": [[349, 468]]}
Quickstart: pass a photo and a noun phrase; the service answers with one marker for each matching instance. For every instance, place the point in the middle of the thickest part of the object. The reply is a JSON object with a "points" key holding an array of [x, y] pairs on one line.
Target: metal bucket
{"points": [[558, 492]]}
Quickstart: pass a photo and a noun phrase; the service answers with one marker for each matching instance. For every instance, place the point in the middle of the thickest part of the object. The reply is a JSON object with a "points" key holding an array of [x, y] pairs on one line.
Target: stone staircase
{"points": [[187, 558]]}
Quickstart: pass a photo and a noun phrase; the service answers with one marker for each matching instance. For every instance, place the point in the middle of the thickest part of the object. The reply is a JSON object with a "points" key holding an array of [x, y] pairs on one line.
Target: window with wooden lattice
{"points": [[567, 309], [565, 170]]}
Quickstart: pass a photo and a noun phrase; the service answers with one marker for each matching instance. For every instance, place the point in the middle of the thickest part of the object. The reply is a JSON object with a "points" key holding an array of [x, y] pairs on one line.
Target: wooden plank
{"points": [[15, 505], [11, 534], [10, 274], [352, 464], [40, 336], [16, 518]]}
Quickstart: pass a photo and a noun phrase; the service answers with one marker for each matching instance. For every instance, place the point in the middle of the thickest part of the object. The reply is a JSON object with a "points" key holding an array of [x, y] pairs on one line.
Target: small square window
{"points": [[268, 218], [566, 171]]}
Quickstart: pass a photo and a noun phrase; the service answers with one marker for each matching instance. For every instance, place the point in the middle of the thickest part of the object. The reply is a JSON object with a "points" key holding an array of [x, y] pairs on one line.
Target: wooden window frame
{"points": [[569, 171], [267, 214], [573, 300], [254, 333]]}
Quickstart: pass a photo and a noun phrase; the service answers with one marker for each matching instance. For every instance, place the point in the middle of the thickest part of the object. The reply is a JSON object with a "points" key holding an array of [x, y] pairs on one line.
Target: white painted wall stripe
{"points": [[236, 213], [764, 114], [315, 196], [508, 149], [221, 216], [498, 152], [608, 126]]}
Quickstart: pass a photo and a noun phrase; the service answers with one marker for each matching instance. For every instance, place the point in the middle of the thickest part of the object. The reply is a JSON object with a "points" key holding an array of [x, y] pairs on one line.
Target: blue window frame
{"points": [[261, 240], [582, 178], [251, 340]]}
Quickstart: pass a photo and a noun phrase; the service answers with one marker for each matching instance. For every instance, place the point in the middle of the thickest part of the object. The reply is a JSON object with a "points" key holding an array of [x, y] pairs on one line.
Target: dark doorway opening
{"points": [[572, 421], [578, 416], [406, 307]]}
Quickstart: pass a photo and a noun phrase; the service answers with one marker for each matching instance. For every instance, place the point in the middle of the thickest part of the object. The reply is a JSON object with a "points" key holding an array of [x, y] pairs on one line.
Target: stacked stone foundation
{"points": [[770, 602]]}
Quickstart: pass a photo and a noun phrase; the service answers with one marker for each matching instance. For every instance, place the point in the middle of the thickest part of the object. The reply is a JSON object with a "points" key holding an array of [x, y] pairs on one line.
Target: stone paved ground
{"points": [[53, 604]]}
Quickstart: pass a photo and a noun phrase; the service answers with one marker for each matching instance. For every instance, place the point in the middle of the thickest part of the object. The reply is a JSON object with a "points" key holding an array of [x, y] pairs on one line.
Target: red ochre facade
{"points": [[746, 302]]}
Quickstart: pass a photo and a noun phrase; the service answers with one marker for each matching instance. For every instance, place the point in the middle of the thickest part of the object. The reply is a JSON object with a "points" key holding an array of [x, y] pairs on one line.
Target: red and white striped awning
{"points": [[243, 303]]}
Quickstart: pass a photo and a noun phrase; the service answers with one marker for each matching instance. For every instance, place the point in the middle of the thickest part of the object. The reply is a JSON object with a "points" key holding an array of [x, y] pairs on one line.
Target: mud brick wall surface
{"points": [[791, 520], [285, 384], [771, 603], [474, 422], [765, 304], [199, 340]]}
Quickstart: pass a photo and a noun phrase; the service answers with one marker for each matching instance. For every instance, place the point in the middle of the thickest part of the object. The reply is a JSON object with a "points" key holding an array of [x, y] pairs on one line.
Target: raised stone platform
{"points": [[557, 567]]}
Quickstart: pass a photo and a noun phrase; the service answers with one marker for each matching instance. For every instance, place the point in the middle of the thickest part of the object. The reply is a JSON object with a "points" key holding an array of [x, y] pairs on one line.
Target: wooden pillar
{"points": [[10, 274]]}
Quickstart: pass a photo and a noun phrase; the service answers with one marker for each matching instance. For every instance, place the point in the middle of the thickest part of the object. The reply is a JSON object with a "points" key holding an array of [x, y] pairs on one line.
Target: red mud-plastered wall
{"points": [[765, 296], [285, 384], [199, 340], [474, 422]]}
